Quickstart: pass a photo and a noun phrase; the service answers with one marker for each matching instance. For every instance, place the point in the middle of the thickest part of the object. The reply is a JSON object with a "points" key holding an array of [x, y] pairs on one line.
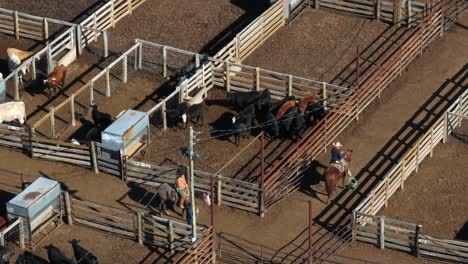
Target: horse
{"points": [[332, 174]]}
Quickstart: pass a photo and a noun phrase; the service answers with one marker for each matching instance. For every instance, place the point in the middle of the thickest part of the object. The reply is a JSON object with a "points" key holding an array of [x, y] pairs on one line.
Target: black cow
{"points": [[166, 194], [82, 255], [184, 113], [293, 123], [56, 256], [268, 122], [264, 100], [314, 113], [29, 258], [101, 119], [239, 100], [242, 123]]}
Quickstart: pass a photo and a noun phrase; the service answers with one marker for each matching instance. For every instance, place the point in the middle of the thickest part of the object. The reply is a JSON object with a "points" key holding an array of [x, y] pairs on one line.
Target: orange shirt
{"points": [[181, 183]]}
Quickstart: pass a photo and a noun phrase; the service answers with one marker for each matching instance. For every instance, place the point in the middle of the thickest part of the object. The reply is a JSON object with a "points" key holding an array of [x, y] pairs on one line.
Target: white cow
{"points": [[198, 98], [11, 111], [15, 56]]}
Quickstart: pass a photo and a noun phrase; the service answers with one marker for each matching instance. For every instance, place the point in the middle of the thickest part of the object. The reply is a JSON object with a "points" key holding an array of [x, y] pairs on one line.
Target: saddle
{"points": [[339, 167]]}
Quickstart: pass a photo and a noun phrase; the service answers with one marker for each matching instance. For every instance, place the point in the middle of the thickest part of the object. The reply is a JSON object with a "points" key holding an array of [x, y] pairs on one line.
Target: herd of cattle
{"points": [[54, 255], [288, 118]]}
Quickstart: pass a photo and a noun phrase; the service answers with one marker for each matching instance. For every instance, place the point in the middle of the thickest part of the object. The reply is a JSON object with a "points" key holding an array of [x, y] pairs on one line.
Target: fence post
{"points": [[112, 15], [219, 194], [257, 79], [212, 187], [261, 197], [417, 156], [197, 60], [139, 228], [171, 236], [95, 26], [164, 116], [354, 225], [68, 209], [310, 232], [164, 62], [49, 59], [15, 14], [442, 21], [446, 124], [317, 4], [403, 172], [72, 109], [228, 77], [124, 69], [45, 26], [408, 7], [382, 231], [2, 239], [431, 149], [21, 233], [108, 88], [377, 9], [106, 44], [52, 121], [33, 66], [91, 93], [16, 81], [386, 191], [140, 56], [92, 148], [396, 11], [324, 95], [129, 6], [79, 46], [30, 135], [237, 46], [290, 84], [122, 166], [416, 240]]}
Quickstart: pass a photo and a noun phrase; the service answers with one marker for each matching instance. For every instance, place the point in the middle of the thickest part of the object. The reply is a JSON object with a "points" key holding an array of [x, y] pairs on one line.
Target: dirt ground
{"points": [[371, 138], [442, 177]]}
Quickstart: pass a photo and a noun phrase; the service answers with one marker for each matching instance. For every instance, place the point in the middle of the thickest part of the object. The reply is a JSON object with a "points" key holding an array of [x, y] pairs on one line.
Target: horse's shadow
{"points": [[313, 177]]}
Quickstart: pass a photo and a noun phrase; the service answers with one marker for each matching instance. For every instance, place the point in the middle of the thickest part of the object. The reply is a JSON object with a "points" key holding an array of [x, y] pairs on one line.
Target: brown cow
{"points": [[305, 102], [56, 78], [285, 107]]}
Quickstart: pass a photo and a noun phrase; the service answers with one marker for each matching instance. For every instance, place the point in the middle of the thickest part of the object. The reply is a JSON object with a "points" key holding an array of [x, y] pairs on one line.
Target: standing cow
{"points": [[56, 78], [166, 194], [11, 111], [15, 57]]}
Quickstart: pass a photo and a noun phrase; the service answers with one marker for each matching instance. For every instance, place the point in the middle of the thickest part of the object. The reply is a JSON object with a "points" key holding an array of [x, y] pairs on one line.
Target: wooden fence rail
{"points": [[285, 177], [203, 251]]}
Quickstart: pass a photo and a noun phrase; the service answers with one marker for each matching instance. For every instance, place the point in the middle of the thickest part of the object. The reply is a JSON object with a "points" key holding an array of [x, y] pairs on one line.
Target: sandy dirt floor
{"points": [[375, 140]]}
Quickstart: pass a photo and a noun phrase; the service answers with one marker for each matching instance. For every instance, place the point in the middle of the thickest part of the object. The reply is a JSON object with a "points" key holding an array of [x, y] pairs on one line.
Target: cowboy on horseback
{"points": [[338, 158]]}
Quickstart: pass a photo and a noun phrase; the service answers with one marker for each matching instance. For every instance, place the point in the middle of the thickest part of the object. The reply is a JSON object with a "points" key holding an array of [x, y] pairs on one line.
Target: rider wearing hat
{"points": [[336, 154]]}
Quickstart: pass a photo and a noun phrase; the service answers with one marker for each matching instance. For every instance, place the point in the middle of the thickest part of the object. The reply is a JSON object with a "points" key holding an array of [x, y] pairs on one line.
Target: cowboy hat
{"points": [[337, 144]]}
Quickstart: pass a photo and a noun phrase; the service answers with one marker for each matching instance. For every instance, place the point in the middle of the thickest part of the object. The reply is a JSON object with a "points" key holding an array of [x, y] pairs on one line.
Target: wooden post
{"points": [[372, 202], [212, 193], [431, 147], [79, 46], [257, 79], [164, 62], [324, 95], [377, 9], [68, 209], [417, 156], [113, 14], [52, 121], [45, 26], [261, 196], [122, 166], [95, 26], [354, 231], [219, 193], [164, 116], [124, 69], [49, 59], [108, 88], [92, 148], [106, 44], [416, 240], [129, 6], [382, 231], [237, 47], [403, 174], [408, 7], [91, 93], [33, 68], [16, 81], [310, 232], [16, 21], [317, 4], [2, 239], [72, 109], [228, 77], [30, 135], [442, 22], [386, 191], [171, 236], [140, 56], [357, 79], [446, 124], [21, 233], [139, 228], [290, 85], [197, 60], [396, 11]]}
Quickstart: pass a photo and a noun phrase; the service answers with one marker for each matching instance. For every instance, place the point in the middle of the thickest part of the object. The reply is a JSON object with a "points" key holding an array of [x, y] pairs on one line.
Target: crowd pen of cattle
{"points": [[255, 104]]}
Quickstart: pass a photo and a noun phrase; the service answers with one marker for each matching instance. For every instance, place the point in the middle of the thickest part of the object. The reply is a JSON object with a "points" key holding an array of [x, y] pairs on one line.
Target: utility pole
{"points": [[192, 190]]}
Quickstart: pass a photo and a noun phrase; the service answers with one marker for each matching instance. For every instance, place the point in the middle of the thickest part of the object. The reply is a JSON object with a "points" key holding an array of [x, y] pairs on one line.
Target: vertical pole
{"points": [[262, 176], [17, 36], [106, 44], [68, 209], [257, 79], [354, 224], [45, 25], [408, 7], [442, 22], [95, 26], [140, 56], [108, 88], [139, 228], [396, 11], [237, 47], [357, 79], [212, 193], [446, 124], [324, 95], [16, 81], [403, 176], [192, 191], [386, 191], [129, 5], [30, 135], [382, 232], [310, 232], [21, 233], [52, 121], [377, 9], [72, 109], [228, 77], [164, 62], [49, 59], [124, 69], [2, 239], [290, 84], [431, 149], [33, 70], [91, 93], [197, 60], [122, 165], [79, 47], [171, 236], [218, 190], [417, 157], [416, 240], [164, 116], [112, 15], [92, 147], [317, 4]]}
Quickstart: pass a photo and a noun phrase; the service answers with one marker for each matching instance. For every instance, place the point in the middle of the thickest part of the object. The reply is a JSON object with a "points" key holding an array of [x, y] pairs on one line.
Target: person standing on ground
{"points": [[188, 212]]}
